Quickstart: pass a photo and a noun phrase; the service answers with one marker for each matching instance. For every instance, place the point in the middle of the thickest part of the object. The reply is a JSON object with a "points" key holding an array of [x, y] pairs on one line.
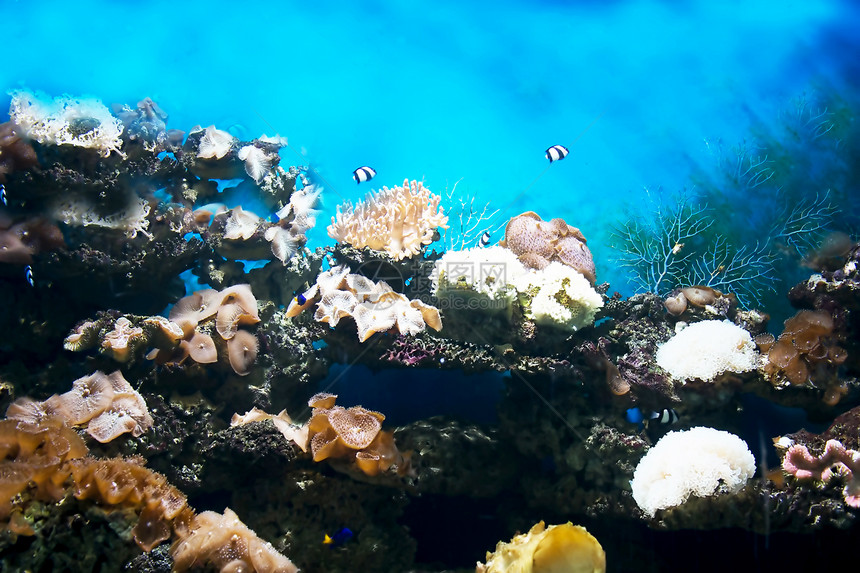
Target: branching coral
{"points": [[66, 120], [399, 221], [375, 307], [106, 405]]}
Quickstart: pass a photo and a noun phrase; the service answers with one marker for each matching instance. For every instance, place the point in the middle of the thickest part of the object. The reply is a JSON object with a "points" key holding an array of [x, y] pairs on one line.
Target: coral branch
{"points": [[800, 463]]}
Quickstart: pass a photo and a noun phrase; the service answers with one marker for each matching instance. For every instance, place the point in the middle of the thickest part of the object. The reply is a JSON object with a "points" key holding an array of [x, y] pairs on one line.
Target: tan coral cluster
{"points": [[121, 483], [34, 456], [805, 351], [564, 548], [228, 545], [126, 338], [700, 296], [353, 435], [206, 313], [375, 307], [105, 404], [399, 221], [537, 243], [41, 458]]}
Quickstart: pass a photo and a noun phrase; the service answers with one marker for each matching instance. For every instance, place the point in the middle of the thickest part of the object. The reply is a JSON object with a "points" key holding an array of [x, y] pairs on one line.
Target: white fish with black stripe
{"points": [[556, 153], [363, 174], [484, 240]]}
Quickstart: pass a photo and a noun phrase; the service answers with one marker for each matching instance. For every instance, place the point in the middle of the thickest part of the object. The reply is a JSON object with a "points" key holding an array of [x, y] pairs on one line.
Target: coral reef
{"points": [[400, 221]]}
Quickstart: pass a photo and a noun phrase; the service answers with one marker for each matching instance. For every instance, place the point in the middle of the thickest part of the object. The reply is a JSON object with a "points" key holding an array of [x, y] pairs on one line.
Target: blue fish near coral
{"points": [[556, 152], [363, 174], [28, 275], [343, 535], [664, 417], [2, 194]]}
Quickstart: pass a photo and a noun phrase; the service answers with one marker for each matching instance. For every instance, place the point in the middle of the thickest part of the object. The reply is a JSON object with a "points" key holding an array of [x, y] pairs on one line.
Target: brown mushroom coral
{"points": [[201, 348], [106, 404], [537, 243], [354, 437], [242, 352]]}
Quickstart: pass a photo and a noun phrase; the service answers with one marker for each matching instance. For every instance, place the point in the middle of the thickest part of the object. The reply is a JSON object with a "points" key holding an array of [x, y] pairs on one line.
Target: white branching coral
{"points": [[66, 120], [399, 221]]}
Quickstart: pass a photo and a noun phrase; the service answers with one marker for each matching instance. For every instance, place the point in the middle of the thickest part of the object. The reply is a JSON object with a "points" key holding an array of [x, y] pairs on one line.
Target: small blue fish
{"points": [[484, 240], [556, 152], [3, 194], [664, 417], [343, 535], [300, 299], [28, 274], [363, 174]]}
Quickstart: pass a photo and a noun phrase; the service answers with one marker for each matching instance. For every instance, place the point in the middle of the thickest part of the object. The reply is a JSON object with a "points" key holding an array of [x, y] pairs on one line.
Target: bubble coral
{"points": [[537, 243], [399, 221], [227, 544], [564, 548]]}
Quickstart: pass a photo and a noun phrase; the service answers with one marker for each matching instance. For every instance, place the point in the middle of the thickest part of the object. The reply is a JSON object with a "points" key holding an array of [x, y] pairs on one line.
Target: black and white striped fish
{"points": [[664, 417], [556, 152], [484, 240], [2, 194], [363, 174]]}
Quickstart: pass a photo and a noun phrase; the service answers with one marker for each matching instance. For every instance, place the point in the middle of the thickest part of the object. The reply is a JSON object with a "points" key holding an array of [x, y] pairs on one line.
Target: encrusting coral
{"points": [[399, 221], [537, 243], [561, 548], [105, 404], [375, 307]]}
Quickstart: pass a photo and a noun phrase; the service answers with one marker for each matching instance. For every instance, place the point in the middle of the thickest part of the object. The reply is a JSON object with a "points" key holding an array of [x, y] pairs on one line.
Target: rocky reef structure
{"points": [[123, 249]]}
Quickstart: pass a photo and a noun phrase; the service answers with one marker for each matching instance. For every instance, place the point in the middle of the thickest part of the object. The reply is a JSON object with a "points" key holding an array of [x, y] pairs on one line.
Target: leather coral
{"points": [[399, 221]]}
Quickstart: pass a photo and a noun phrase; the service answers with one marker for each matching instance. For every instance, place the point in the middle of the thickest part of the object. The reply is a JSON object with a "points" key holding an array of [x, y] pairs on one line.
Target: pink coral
{"points": [[836, 459]]}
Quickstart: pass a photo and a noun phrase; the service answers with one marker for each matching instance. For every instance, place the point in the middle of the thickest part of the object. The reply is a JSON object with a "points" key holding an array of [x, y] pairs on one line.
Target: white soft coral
{"points": [[66, 120]]}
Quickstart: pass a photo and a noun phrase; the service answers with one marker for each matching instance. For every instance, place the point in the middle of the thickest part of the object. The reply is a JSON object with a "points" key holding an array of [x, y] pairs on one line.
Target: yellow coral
{"points": [[399, 221], [563, 548]]}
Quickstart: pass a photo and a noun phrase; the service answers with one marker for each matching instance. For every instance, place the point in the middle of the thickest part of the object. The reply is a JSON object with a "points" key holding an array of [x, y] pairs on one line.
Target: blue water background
{"points": [[452, 91]]}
